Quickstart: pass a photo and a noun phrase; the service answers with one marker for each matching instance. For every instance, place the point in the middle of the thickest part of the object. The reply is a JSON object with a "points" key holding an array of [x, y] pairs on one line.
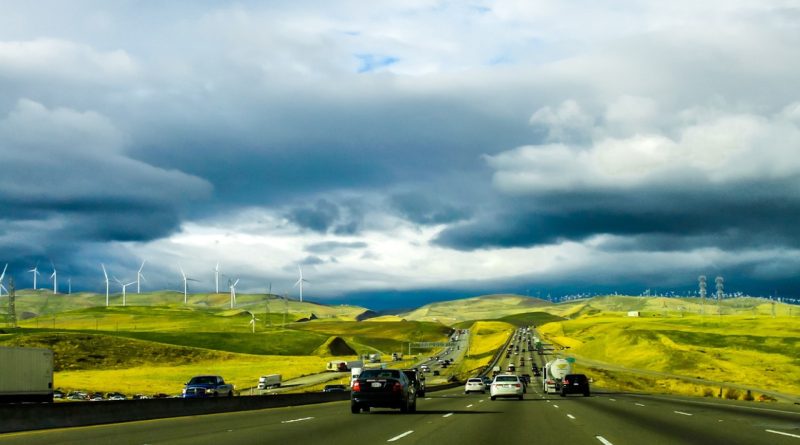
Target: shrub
{"points": [[732, 394], [708, 392]]}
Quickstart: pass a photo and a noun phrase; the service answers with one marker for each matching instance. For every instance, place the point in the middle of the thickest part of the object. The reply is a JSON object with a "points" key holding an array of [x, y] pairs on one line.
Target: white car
{"points": [[506, 385], [474, 385], [425, 368]]}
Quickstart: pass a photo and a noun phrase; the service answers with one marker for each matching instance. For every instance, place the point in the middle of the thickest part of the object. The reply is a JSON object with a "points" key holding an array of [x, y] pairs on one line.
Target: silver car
{"points": [[506, 385]]}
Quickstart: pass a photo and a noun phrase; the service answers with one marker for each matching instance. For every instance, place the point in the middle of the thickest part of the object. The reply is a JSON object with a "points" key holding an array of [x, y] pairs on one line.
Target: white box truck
{"points": [[269, 381], [26, 375]]}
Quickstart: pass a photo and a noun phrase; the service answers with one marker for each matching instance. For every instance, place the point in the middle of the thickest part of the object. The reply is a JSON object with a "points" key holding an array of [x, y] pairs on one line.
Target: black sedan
{"points": [[383, 388]]}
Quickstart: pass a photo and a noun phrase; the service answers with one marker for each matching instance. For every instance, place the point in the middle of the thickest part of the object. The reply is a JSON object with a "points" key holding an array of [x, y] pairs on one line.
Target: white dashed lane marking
{"points": [[447, 415], [571, 416], [469, 406], [400, 436], [639, 404], [782, 433], [603, 440], [296, 420], [683, 413]]}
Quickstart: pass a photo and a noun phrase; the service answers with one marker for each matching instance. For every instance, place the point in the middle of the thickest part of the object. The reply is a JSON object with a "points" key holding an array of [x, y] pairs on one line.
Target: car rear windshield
{"points": [[576, 377], [380, 374], [205, 380], [475, 381], [506, 378]]}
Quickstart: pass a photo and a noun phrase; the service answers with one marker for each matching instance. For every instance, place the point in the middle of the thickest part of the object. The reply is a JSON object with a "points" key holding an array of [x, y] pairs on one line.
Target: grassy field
{"points": [[741, 349], [378, 336]]}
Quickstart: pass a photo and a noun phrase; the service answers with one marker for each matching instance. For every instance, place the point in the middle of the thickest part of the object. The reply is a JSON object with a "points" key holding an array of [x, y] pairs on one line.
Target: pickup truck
{"points": [[206, 386]]}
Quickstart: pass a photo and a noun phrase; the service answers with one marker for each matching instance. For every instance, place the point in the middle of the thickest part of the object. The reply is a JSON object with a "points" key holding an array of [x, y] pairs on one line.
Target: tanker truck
{"points": [[554, 372]]}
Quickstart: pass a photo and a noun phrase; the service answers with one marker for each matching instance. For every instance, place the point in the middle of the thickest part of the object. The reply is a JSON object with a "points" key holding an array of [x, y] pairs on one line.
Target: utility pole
{"points": [[12, 307], [268, 319]]}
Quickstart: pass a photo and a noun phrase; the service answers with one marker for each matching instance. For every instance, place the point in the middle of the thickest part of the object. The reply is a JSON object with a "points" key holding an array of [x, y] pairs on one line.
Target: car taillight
{"points": [[356, 386], [550, 382], [518, 385], [566, 382], [397, 387]]}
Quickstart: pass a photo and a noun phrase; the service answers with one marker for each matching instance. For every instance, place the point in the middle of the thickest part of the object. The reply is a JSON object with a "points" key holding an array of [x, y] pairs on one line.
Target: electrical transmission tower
{"points": [[702, 283]]}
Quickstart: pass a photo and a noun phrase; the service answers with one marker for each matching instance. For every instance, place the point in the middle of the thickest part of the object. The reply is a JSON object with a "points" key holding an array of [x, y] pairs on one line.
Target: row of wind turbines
{"points": [[139, 277]]}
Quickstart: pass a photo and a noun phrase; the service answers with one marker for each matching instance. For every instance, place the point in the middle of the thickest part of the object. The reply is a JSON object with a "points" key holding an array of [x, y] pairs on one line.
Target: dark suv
{"points": [[575, 383], [383, 388], [418, 379]]}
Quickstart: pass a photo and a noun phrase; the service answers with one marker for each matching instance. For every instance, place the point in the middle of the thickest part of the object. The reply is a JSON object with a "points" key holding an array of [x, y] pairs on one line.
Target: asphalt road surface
{"points": [[451, 417]]}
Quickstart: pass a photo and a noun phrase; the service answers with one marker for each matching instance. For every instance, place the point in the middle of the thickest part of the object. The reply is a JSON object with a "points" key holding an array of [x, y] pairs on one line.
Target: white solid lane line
{"points": [[571, 416], [683, 413], [398, 437], [603, 440], [447, 415], [296, 420], [782, 433]]}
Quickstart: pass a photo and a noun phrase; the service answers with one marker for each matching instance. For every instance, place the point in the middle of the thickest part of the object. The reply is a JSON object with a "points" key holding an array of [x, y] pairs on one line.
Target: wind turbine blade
{"points": [[142, 266], [182, 272], [104, 271], [235, 282]]}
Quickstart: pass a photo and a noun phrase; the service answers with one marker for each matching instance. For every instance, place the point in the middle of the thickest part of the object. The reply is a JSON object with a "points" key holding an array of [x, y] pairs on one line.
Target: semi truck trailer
{"points": [[26, 375]]}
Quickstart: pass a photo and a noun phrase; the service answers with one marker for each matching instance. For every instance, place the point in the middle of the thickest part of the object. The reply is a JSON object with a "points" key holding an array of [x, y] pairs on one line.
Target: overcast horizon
{"points": [[402, 152]]}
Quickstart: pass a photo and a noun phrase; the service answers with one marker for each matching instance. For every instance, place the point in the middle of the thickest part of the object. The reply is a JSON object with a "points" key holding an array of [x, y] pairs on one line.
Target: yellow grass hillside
{"points": [[760, 352], [486, 337], [476, 308]]}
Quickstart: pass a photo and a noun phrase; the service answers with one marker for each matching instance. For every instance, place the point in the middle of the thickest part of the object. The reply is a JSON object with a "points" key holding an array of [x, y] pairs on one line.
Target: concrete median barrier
{"points": [[25, 417]]}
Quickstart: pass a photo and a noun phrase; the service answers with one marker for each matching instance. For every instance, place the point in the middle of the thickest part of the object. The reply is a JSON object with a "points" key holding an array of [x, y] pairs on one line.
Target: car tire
{"points": [[230, 393], [466, 392], [563, 394], [483, 392], [354, 408], [521, 397], [422, 394], [586, 394], [215, 394], [413, 408], [493, 398]]}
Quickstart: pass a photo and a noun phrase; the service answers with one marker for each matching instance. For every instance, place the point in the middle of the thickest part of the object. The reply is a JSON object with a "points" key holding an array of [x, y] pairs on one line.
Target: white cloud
{"points": [[718, 147]]}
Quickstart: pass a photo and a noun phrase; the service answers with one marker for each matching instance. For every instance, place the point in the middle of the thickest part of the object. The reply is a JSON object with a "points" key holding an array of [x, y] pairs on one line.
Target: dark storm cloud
{"points": [[424, 209], [645, 219]]}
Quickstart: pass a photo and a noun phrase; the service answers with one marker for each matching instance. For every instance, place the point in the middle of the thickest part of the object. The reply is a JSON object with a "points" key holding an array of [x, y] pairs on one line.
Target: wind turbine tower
{"points": [[139, 277], [253, 322], [2, 286], [233, 292], [720, 282], [300, 282], [35, 272], [105, 274], [216, 277], [54, 277], [185, 284], [124, 287]]}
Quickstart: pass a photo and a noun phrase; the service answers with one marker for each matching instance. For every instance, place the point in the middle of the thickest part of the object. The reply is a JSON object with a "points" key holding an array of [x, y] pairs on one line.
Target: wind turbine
{"points": [[186, 281], [3, 275], [253, 322], [124, 287], [69, 286], [300, 282], [106, 275], [139, 277], [35, 271], [233, 292], [216, 277], [54, 277]]}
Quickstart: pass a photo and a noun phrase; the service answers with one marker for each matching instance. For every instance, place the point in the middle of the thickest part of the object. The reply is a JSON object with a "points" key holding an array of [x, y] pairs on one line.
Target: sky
{"points": [[402, 152]]}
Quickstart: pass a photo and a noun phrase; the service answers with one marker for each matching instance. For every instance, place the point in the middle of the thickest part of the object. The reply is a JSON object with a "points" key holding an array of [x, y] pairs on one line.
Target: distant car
{"points": [[335, 388], [116, 396], [417, 379], [506, 385], [96, 397], [206, 386], [140, 397], [425, 368], [58, 394], [383, 388], [575, 384], [486, 381], [436, 372], [475, 385]]}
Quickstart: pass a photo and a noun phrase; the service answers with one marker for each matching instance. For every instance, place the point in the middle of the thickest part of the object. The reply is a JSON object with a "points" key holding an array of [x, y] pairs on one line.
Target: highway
{"points": [[451, 417]]}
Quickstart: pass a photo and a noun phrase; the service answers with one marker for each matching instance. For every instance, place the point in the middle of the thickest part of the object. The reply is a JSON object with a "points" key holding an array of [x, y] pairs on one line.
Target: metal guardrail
{"points": [[497, 356]]}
